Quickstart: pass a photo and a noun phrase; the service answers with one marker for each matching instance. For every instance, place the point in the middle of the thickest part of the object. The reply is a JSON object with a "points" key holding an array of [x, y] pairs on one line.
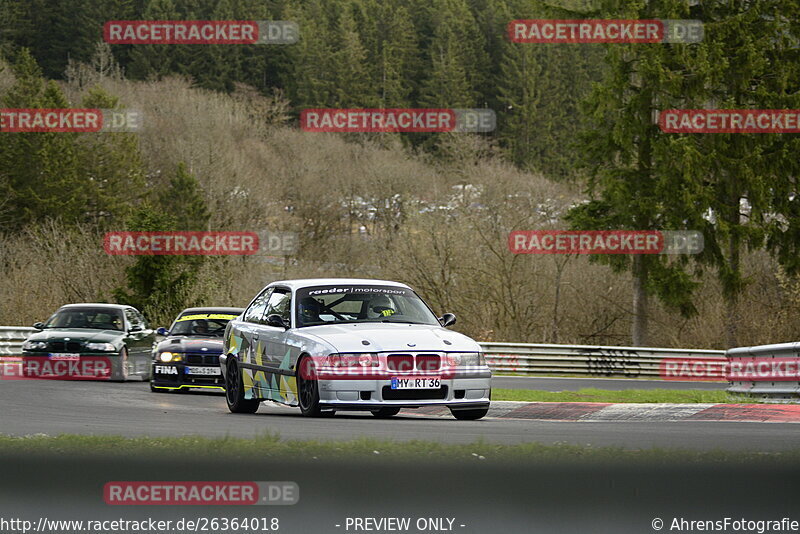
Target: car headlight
{"points": [[353, 360], [34, 345], [466, 359], [170, 357], [103, 347]]}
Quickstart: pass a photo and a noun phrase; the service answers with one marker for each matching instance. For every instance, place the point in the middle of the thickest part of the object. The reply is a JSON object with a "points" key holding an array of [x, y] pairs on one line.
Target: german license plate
{"points": [[204, 371], [65, 356], [416, 382]]}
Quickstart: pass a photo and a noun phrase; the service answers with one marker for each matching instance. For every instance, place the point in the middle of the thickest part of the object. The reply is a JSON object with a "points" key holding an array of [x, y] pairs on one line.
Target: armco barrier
{"points": [[524, 358], [11, 338], [771, 389], [534, 358]]}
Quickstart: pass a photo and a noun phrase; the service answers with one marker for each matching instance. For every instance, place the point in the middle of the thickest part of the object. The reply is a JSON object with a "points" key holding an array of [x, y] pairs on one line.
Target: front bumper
{"points": [[462, 391], [175, 375]]}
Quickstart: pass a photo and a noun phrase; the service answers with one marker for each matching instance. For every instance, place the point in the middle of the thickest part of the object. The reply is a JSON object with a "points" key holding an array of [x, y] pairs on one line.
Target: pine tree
{"points": [[161, 285], [520, 92], [76, 177], [458, 60], [448, 85], [156, 61], [40, 170], [353, 87], [186, 200], [399, 65], [619, 145], [112, 164], [215, 67], [739, 187], [310, 81]]}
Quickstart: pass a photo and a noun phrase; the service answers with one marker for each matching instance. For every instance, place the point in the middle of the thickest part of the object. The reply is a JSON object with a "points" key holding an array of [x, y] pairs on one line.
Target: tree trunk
{"points": [[639, 326], [557, 299], [732, 297]]}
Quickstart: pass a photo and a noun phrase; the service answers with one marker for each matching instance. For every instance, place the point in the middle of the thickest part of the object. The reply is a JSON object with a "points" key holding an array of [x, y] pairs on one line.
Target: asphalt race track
{"points": [[130, 409]]}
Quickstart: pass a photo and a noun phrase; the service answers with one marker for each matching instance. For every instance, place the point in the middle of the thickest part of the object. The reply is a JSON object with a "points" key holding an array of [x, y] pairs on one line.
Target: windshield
{"points": [[358, 304], [201, 324], [91, 318]]}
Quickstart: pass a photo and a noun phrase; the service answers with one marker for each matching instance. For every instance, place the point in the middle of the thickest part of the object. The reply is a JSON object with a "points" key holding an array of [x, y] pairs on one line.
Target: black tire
{"points": [[469, 415], [234, 390], [121, 372], [385, 413], [308, 390]]}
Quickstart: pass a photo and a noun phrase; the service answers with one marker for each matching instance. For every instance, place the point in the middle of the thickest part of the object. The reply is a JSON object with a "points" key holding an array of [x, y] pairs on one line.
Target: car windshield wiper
{"points": [[400, 321]]}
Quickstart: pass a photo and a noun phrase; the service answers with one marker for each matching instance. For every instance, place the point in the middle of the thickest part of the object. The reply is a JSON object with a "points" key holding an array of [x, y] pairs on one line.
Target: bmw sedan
{"points": [[326, 345], [90, 341], [189, 356]]}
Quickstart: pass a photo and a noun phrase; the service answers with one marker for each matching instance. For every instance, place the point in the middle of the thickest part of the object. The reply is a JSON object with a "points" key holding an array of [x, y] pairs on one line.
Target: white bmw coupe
{"points": [[327, 345]]}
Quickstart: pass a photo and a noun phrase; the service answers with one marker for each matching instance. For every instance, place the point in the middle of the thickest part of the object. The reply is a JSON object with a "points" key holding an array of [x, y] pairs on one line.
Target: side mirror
{"points": [[162, 331], [276, 320], [447, 319], [136, 328], [38, 326]]}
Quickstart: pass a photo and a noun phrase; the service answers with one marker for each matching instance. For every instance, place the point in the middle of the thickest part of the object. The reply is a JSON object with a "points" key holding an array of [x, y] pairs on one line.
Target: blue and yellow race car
{"points": [[188, 357]]}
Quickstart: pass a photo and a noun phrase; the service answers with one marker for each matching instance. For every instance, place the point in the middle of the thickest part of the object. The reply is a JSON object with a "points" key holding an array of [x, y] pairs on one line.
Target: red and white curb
{"points": [[604, 412]]}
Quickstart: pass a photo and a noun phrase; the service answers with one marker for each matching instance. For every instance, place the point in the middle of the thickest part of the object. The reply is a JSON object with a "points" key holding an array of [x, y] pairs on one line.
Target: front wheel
{"points": [[120, 372], [234, 391], [308, 389], [469, 415]]}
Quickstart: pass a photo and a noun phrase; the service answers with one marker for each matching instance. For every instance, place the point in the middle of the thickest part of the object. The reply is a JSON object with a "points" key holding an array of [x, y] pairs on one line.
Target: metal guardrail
{"points": [[522, 358], [770, 388], [11, 338], [534, 358]]}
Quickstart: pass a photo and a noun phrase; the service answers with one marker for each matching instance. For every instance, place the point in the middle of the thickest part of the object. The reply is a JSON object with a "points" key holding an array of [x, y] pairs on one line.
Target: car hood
{"points": [[211, 345], [78, 334], [386, 337]]}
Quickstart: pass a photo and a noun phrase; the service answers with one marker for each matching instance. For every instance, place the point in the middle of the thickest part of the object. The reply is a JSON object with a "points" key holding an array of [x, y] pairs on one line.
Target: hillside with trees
{"points": [[577, 146]]}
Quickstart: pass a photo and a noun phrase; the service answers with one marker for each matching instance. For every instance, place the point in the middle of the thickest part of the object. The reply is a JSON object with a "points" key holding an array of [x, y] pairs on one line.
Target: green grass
{"points": [[362, 450], [628, 395]]}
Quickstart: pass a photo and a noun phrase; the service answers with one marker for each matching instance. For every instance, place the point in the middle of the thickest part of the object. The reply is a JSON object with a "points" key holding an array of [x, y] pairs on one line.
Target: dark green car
{"points": [[90, 341]]}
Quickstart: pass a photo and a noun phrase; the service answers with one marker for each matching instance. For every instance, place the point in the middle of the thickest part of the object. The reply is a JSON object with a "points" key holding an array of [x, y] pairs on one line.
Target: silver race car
{"points": [[326, 345]]}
